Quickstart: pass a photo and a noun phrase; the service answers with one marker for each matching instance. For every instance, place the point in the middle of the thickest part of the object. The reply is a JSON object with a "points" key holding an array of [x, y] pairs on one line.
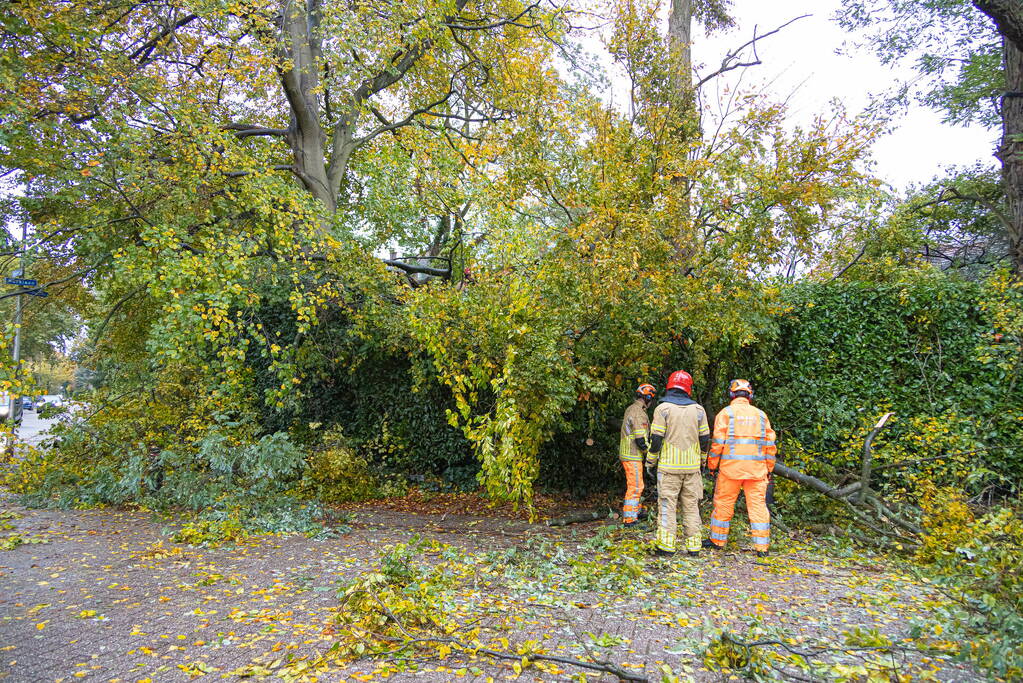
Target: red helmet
{"points": [[646, 391], [680, 379], [737, 385]]}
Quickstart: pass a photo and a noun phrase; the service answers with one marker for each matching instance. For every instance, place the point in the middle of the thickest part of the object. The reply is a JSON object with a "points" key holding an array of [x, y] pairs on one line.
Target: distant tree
{"points": [[970, 54]]}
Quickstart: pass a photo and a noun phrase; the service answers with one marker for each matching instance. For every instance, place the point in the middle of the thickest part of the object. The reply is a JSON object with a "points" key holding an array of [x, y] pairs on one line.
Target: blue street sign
{"points": [[23, 281], [35, 292]]}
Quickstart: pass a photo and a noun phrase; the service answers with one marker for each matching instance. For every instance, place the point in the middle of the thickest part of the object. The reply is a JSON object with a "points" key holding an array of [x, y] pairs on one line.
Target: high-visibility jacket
{"points": [[680, 422], [635, 425], [744, 443]]}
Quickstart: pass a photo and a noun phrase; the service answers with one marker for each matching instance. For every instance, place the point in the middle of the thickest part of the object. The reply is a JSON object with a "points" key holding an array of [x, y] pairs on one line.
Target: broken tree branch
{"points": [[868, 456], [731, 60]]}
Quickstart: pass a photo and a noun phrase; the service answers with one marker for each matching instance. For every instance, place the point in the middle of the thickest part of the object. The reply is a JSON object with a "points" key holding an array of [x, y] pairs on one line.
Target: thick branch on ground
{"points": [[580, 516], [860, 511], [1008, 17]]}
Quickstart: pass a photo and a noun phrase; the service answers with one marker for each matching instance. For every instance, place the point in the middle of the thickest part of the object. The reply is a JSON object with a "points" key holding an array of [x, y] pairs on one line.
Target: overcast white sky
{"points": [[803, 59]]}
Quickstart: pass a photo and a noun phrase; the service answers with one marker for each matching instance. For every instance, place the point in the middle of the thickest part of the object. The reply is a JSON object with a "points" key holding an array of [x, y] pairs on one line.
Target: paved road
{"points": [[105, 595], [33, 428]]}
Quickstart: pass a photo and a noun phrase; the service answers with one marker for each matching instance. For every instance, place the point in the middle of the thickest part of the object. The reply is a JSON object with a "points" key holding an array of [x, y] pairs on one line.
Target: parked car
{"points": [[28, 403], [54, 400]]}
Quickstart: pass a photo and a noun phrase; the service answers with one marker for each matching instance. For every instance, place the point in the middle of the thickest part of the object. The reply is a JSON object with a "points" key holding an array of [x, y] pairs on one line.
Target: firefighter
{"points": [[743, 456], [632, 448], [679, 436]]}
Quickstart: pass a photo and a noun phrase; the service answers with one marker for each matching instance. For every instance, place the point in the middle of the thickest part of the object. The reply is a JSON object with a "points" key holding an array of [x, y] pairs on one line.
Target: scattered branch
{"points": [[73, 276], [143, 53], [277, 167], [411, 639]]}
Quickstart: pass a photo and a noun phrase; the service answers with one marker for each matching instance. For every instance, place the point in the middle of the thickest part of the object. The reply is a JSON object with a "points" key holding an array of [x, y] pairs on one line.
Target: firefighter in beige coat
{"points": [[680, 435], [632, 446]]}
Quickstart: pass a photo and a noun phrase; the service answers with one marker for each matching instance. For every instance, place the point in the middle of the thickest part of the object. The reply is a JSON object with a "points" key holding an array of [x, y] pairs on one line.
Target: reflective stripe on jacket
{"points": [[744, 442], [635, 424], [681, 427]]}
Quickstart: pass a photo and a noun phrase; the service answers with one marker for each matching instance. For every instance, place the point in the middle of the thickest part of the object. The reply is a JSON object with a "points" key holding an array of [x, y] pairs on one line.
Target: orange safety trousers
{"points": [[634, 489], [726, 492]]}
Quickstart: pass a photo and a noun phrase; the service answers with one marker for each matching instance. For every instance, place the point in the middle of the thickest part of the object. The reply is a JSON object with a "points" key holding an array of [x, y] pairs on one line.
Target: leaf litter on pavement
{"points": [[411, 595]]}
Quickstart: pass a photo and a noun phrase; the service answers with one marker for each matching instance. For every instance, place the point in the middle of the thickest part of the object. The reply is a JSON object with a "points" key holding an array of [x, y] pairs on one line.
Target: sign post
{"points": [[14, 408]]}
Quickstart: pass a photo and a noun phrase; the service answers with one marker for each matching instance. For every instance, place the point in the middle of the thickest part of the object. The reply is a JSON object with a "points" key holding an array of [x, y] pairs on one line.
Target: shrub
{"points": [[338, 474], [225, 473], [978, 560]]}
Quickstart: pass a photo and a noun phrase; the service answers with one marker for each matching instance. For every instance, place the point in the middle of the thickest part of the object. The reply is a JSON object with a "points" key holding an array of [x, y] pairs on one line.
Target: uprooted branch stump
{"points": [[865, 507]]}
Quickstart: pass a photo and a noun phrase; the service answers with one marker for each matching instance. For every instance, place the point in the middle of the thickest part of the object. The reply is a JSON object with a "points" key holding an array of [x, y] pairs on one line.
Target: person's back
{"points": [[743, 441], [679, 435], [681, 419], [743, 456]]}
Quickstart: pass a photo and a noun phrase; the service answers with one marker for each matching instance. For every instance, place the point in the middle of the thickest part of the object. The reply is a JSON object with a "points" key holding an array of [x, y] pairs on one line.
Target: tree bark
{"points": [[1011, 151], [686, 118], [1008, 17], [300, 82], [680, 39]]}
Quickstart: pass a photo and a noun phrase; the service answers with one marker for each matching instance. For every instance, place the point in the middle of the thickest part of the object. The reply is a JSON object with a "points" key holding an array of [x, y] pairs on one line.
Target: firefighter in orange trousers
{"points": [[743, 457], [632, 447], [679, 436]]}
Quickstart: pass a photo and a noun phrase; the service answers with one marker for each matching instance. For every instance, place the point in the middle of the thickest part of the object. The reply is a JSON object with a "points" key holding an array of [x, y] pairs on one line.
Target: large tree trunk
{"points": [[686, 119], [680, 39], [1011, 151], [1008, 17]]}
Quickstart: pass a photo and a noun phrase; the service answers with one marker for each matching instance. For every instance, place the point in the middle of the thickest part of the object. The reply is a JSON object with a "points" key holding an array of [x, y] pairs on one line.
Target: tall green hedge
{"points": [[837, 356], [847, 351]]}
